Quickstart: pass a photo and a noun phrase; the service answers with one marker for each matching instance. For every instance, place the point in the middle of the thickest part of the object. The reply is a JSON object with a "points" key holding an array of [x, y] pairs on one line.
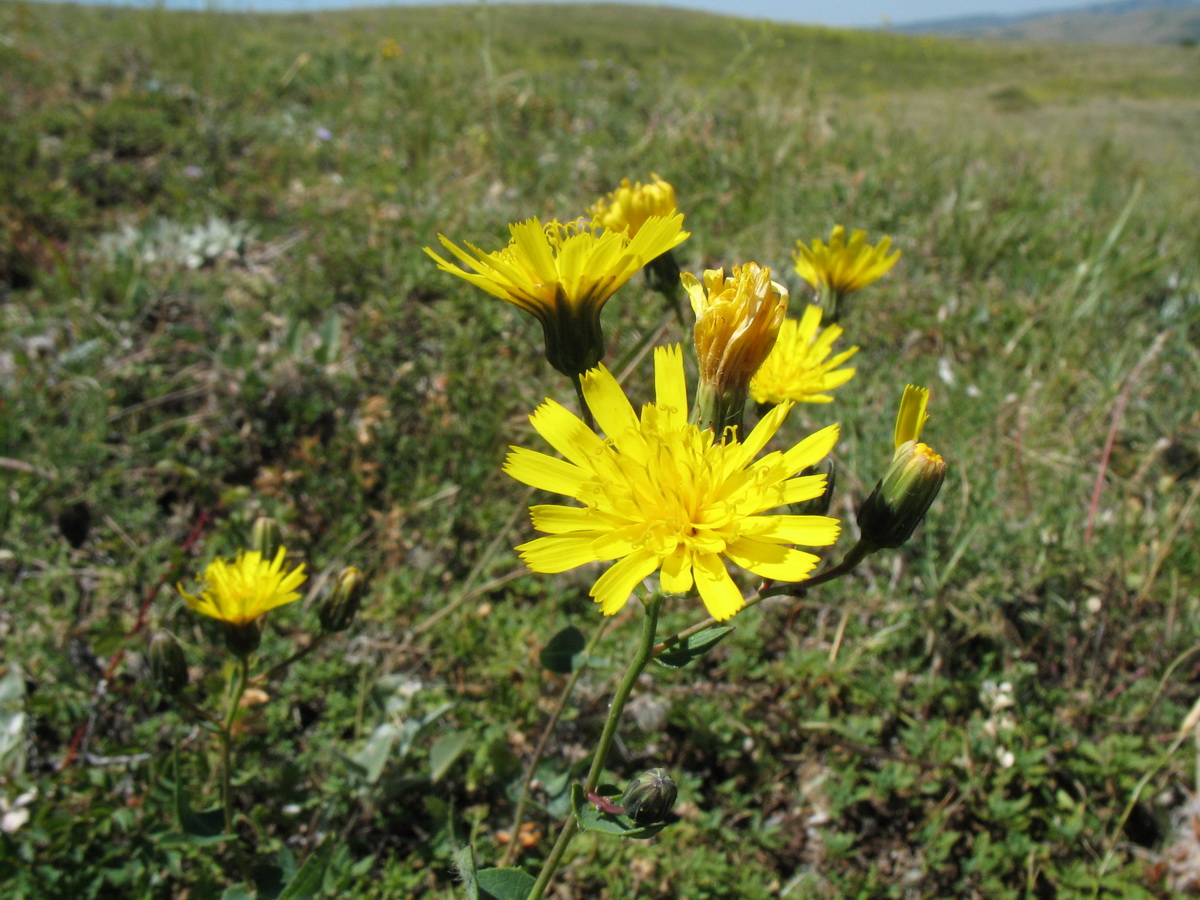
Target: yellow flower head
{"points": [[799, 368], [737, 321], [842, 268], [663, 495], [630, 205], [239, 593], [563, 275]]}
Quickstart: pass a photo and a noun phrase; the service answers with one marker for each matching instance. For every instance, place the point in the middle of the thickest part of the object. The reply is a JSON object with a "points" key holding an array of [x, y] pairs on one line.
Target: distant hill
{"points": [[1120, 22]]}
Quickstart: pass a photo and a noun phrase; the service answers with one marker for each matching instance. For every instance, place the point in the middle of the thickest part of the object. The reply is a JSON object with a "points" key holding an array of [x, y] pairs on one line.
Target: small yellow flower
{"points": [[563, 275], [799, 368], [663, 495], [842, 268], [737, 321], [900, 500], [239, 593], [630, 205]]}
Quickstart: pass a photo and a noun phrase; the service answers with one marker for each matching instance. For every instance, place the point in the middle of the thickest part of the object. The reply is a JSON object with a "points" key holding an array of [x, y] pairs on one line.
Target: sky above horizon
{"points": [[848, 13]]}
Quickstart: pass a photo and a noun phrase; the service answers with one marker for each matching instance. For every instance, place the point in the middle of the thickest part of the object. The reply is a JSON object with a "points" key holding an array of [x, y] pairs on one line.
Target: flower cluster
{"points": [[661, 492]]}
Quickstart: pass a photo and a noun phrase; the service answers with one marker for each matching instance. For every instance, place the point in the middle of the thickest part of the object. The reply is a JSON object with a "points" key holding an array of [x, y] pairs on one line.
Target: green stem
{"points": [[522, 800], [643, 655], [294, 658], [235, 695], [857, 554], [584, 409]]}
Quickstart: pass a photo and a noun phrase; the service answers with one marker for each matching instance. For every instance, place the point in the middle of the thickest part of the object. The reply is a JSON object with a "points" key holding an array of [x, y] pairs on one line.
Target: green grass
{"points": [[314, 365]]}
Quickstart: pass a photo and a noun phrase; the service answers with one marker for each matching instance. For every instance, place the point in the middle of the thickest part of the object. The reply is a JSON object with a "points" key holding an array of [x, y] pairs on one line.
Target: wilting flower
{"points": [[563, 275], [661, 494], [238, 594], [631, 205], [799, 367], [842, 268], [902, 497], [737, 320]]}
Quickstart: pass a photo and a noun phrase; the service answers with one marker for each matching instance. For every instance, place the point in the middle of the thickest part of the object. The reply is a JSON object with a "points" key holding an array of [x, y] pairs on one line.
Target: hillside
{"points": [[1120, 22], [216, 305]]}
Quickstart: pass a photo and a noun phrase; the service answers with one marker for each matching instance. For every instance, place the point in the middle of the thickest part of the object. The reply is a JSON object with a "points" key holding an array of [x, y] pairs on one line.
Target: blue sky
{"points": [[868, 13]]}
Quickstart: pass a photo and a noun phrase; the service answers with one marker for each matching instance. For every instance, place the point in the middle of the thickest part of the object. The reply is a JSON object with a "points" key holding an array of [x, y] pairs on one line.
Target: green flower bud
{"points": [[243, 639], [266, 537], [649, 798], [817, 506], [899, 502], [167, 663], [341, 604]]}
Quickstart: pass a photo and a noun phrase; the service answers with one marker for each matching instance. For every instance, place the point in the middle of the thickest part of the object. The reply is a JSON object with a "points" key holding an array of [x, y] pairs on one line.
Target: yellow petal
{"points": [[545, 472], [720, 595], [773, 561], [912, 416], [557, 553], [613, 588]]}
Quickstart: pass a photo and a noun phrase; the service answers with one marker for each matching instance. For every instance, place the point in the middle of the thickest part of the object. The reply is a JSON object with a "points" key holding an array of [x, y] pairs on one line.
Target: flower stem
{"points": [[584, 409], [641, 657], [518, 816], [294, 658], [857, 554], [240, 676]]}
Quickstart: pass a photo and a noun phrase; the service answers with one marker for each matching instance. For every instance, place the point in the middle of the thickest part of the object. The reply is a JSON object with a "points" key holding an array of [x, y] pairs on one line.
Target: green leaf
{"points": [[692, 648], [504, 884], [463, 859], [592, 819], [564, 652], [200, 828], [374, 755], [445, 751], [237, 893], [307, 880]]}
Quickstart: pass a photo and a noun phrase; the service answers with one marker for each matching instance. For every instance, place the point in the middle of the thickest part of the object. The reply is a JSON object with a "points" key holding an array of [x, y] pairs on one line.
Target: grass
{"points": [[215, 305]]}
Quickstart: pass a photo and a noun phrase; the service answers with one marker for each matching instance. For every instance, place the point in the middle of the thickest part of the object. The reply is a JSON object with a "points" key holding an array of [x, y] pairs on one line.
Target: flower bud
{"points": [[342, 603], [817, 506], [265, 537], [900, 500], [737, 322], [167, 663], [649, 798]]}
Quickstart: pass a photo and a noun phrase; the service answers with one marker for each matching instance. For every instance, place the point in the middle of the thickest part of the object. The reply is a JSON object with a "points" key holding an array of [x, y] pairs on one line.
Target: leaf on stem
{"points": [[692, 648]]}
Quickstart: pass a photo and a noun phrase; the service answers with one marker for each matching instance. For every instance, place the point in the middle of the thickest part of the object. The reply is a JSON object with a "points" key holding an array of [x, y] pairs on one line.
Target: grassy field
{"points": [[216, 306]]}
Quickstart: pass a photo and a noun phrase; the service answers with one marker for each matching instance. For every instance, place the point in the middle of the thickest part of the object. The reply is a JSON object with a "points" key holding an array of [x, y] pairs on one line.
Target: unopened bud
{"points": [[342, 603], [266, 537], [899, 502], [649, 798], [167, 663], [817, 506]]}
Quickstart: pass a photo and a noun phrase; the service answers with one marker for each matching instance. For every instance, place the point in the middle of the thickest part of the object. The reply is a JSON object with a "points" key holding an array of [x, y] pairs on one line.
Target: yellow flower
{"points": [[842, 268], [799, 368], [663, 495], [737, 320], [563, 275], [239, 593], [630, 205], [900, 500]]}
